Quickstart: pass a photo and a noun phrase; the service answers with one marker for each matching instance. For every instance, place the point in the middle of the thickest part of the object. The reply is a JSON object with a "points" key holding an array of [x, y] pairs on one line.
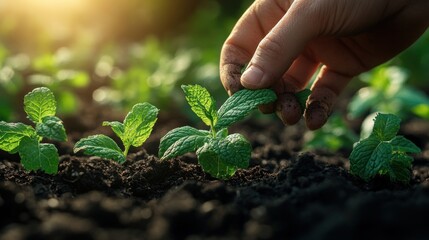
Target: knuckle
{"points": [[269, 47]]}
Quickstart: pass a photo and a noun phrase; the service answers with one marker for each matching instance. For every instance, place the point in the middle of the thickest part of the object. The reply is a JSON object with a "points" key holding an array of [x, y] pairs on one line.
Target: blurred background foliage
{"points": [[111, 52], [118, 53]]}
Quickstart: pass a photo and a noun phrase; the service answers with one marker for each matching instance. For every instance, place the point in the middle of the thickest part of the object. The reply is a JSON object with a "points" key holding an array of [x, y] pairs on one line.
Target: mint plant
{"points": [[383, 152], [219, 154], [387, 91], [134, 131], [40, 106]]}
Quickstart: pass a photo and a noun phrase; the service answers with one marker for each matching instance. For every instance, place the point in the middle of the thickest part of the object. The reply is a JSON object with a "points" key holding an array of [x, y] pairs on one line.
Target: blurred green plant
{"points": [[387, 91], [54, 71], [11, 80], [333, 136], [150, 72]]}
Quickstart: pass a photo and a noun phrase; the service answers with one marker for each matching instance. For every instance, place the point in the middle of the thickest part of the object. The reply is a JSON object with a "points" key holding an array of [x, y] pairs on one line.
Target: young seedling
{"points": [[383, 152], [134, 131], [219, 154], [40, 106]]}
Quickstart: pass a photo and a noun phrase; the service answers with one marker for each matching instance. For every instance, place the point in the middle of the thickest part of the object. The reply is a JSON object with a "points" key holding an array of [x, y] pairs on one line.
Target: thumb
{"points": [[279, 48]]}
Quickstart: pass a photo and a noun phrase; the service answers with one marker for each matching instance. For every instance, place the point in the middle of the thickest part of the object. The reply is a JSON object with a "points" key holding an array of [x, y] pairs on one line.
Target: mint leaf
{"points": [[40, 106], [363, 159], [101, 146], [117, 127], [219, 154], [401, 144], [386, 126], [180, 141], [12, 133], [222, 157], [39, 103], [302, 97], [138, 124], [241, 104], [400, 168], [223, 133], [35, 155], [202, 103], [383, 153], [51, 127]]}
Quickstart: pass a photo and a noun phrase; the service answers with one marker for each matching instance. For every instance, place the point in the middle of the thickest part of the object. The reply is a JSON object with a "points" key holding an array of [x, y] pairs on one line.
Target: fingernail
{"points": [[252, 76]]}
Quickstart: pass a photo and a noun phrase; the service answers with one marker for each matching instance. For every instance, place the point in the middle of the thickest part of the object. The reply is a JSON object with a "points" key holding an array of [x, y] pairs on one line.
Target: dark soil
{"points": [[284, 194]]}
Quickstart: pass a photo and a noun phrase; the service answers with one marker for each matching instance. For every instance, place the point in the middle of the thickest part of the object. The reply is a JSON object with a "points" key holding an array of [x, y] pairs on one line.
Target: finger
{"points": [[325, 91], [279, 48], [238, 49], [296, 78]]}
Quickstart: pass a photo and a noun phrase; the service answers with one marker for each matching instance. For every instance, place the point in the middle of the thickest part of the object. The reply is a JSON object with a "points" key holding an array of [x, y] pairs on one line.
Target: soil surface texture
{"points": [[286, 193]]}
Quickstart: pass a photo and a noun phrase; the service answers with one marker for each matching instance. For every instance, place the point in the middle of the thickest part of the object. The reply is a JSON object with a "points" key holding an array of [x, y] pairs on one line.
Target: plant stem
{"points": [[212, 129], [127, 148]]}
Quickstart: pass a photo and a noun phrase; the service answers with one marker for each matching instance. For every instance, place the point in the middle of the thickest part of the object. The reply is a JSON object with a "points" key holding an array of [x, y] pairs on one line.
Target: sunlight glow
{"points": [[56, 5]]}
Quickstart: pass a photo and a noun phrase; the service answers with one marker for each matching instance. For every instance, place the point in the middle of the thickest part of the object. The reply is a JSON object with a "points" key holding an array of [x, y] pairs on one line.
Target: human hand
{"points": [[285, 42]]}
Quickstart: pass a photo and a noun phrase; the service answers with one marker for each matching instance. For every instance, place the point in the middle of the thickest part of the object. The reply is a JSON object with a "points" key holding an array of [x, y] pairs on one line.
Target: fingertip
{"points": [[288, 109], [319, 105], [316, 115], [253, 78]]}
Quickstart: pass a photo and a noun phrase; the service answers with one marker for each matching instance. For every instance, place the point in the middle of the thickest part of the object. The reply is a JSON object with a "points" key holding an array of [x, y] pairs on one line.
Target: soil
{"points": [[284, 194]]}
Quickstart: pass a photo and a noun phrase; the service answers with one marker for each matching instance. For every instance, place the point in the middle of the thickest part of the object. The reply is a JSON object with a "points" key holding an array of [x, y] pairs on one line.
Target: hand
{"points": [[286, 41]]}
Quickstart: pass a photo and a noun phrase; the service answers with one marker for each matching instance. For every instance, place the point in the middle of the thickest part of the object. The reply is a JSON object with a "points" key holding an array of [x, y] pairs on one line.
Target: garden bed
{"points": [[284, 194]]}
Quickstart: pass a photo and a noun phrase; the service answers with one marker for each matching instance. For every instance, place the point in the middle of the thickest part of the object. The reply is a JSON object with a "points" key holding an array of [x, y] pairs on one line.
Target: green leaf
{"points": [[202, 103], [52, 128], [383, 152], [117, 127], [39, 103], [138, 124], [101, 146], [222, 157], [302, 97], [365, 99], [400, 168], [223, 133], [401, 144], [38, 156], [12, 133], [386, 126], [241, 104], [180, 141], [368, 157]]}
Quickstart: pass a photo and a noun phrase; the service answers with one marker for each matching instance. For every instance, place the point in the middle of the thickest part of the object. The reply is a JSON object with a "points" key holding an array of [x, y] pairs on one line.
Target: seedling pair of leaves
{"points": [[40, 106], [219, 154], [134, 131], [383, 152]]}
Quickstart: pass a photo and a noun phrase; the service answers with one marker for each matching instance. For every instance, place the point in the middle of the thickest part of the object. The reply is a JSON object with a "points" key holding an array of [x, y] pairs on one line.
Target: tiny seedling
{"points": [[135, 130], [219, 154], [40, 106], [383, 152]]}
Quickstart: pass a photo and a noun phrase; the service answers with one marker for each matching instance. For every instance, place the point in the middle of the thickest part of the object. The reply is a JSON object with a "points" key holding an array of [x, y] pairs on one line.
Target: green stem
{"points": [[127, 148], [212, 129]]}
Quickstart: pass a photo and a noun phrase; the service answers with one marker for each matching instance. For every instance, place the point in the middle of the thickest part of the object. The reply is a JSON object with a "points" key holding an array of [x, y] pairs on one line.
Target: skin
{"points": [[284, 42]]}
